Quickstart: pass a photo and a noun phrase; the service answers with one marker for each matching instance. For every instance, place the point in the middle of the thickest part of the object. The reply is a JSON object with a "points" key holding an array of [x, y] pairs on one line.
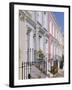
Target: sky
{"points": [[60, 19]]}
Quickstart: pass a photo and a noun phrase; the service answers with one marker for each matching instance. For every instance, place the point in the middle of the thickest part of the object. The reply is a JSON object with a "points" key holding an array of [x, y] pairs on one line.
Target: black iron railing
{"points": [[27, 67]]}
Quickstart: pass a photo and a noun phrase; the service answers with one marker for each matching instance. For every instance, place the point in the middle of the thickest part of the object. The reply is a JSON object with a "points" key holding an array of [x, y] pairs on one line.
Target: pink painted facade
{"points": [[52, 37], [55, 41]]}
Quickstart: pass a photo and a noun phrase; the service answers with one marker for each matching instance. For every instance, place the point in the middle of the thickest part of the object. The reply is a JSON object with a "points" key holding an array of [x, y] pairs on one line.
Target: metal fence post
{"points": [[22, 70]]}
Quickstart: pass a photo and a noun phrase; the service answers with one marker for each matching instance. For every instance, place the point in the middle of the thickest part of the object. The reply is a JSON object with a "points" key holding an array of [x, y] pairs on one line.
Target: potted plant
{"points": [[40, 56]]}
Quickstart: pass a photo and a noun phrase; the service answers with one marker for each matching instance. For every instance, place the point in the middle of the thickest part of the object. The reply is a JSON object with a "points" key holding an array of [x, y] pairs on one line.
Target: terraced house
{"points": [[41, 44]]}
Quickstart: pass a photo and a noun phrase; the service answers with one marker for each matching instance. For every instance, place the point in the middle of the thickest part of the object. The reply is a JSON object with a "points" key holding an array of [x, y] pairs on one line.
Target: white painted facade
{"points": [[33, 36]]}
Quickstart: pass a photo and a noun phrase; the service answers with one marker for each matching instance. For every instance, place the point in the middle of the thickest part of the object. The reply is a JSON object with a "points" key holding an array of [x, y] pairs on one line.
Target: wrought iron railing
{"points": [[27, 67]]}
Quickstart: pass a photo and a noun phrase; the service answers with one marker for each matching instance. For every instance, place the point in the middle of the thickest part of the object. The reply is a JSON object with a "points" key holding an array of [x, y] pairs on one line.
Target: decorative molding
{"points": [[21, 15], [31, 22]]}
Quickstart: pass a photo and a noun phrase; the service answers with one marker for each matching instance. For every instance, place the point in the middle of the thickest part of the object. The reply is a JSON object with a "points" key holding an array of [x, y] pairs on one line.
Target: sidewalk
{"points": [[36, 73]]}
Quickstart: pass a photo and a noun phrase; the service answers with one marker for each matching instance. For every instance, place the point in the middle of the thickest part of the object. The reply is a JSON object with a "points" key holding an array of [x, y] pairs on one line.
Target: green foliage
{"points": [[40, 55], [54, 69]]}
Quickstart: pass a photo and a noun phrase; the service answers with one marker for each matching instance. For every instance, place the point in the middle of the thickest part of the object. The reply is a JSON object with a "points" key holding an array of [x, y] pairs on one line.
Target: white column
{"points": [[41, 43], [37, 38], [31, 45]]}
